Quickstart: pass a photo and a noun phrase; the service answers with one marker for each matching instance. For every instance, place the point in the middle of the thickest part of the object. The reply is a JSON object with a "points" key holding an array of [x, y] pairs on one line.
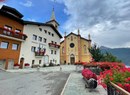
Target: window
{"points": [[51, 51], [17, 30], [15, 46], [85, 49], [33, 61], [33, 49], [45, 40], [45, 31], [55, 26], [8, 27], [34, 37], [55, 52], [39, 48], [71, 38], [52, 34], [4, 45], [40, 61], [40, 39], [44, 49], [49, 33], [40, 29], [62, 49]]}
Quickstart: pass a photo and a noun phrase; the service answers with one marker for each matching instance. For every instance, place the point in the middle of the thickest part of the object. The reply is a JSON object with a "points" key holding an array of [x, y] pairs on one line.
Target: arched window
{"points": [[62, 49], [85, 49], [71, 38]]}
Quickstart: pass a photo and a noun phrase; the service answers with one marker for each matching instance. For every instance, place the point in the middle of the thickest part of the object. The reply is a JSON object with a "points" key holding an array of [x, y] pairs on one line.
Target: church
{"points": [[75, 48]]}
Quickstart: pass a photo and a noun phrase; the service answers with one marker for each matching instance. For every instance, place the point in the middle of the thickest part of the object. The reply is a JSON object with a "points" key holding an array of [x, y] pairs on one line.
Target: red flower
{"points": [[26, 64], [16, 64], [120, 85], [127, 87], [111, 79]]}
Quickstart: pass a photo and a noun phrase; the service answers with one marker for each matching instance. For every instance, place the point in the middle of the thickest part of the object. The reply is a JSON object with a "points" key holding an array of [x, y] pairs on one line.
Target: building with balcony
{"points": [[74, 48], [43, 43], [11, 37]]}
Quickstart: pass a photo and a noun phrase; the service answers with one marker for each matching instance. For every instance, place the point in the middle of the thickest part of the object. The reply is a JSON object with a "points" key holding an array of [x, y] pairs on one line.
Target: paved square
{"points": [[45, 81], [36, 83]]}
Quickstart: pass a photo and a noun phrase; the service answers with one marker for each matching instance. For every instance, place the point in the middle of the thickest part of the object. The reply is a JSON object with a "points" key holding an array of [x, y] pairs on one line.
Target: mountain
{"points": [[121, 53]]}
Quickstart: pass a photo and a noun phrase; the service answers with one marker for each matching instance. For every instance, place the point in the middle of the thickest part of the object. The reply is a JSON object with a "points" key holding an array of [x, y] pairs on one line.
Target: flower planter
{"points": [[26, 65]]}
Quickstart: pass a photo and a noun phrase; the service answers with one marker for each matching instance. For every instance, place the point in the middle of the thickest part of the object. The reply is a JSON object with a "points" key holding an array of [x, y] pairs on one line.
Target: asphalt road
{"points": [[34, 83]]}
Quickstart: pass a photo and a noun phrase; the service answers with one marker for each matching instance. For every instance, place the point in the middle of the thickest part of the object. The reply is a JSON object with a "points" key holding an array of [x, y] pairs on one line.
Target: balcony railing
{"points": [[39, 53], [9, 33], [52, 45], [113, 89]]}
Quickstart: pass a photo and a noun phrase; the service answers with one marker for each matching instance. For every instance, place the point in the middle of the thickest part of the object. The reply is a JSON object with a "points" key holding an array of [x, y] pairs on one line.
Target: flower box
{"points": [[26, 65], [16, 66]]}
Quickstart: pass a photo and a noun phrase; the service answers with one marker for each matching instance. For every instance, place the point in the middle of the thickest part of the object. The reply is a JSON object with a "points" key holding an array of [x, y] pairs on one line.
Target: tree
{"points": [[96, 53], [110, 58], [99, 56]]}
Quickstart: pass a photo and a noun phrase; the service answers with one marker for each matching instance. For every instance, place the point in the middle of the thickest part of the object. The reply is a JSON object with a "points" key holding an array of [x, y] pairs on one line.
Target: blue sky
{"points": [[107, 21], [39, 10]]}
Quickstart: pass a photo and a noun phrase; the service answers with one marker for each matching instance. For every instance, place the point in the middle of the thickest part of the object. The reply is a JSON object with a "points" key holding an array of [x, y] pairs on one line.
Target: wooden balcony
{"points": [[12, 35], [52, 45], [39, 53]]}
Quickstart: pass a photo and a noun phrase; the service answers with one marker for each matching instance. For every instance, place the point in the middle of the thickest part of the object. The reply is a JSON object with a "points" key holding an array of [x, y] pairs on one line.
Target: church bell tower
{"points": [[53, 20]]}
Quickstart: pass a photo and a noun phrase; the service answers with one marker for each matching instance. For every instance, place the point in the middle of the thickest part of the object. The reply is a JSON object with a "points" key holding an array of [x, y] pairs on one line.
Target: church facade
{"points": [[75, 48]]}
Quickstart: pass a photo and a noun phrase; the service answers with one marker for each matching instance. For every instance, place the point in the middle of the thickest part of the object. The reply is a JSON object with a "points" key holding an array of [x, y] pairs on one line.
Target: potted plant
{"points": [[26, 65], [16, 66]]}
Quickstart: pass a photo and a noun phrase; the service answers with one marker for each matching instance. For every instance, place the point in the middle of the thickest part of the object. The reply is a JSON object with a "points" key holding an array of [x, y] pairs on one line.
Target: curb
{"points": [[63, 90]]}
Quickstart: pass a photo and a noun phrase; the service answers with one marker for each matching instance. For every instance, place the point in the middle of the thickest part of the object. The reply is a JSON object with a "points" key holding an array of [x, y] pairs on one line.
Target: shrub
{"points": [[44, 65], [51, 64]]}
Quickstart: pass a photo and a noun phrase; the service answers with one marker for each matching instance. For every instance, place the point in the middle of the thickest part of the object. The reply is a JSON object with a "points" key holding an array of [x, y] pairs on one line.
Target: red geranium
{"points": [[26, 64], [16, 64]]}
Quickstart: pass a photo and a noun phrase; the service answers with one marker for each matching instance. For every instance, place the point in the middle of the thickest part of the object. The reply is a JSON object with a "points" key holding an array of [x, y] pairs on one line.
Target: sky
{"points": [[107, 21]]}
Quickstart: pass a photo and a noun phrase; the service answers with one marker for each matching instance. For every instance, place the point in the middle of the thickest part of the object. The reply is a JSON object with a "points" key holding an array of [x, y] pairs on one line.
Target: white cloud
{"points": [[108, 21], [1, 4], [27, 3], [30, 19]]}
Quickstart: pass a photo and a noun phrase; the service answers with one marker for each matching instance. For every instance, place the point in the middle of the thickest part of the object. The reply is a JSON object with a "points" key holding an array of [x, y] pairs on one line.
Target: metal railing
{"points": [[113, 89], [39, 53], [54, 45]]}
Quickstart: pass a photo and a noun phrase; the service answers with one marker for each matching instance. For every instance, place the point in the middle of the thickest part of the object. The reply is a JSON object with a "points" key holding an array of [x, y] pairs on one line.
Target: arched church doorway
{"points": [[72, 59]]}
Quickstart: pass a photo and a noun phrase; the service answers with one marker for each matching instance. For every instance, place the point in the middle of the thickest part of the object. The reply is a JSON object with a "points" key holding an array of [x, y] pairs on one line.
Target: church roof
{"points": [[43, 24], [52, 21], [75, 35]]}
